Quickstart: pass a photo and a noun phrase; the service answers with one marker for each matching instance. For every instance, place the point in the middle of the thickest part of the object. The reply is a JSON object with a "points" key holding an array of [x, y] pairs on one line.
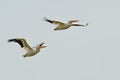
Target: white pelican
{"points": [[62, 26], [29, 51]]}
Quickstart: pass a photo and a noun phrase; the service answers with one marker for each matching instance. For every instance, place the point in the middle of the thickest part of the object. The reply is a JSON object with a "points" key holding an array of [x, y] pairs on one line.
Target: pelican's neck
{"points": [[37, 50], [69, 24]]}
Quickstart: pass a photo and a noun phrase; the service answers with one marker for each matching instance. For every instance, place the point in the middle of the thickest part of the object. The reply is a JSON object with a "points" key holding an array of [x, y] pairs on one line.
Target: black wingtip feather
{"points": [[18, 41], [50, 21], [10, 40]]}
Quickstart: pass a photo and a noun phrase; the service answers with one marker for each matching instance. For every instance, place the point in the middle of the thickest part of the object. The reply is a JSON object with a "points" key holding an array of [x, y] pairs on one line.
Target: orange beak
{"points": [[71, 21], [43, 46]]}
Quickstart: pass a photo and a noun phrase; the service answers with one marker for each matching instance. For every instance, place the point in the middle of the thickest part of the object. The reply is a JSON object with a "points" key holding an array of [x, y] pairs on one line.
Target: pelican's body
{"points": [[63, 26], [29, 51]]}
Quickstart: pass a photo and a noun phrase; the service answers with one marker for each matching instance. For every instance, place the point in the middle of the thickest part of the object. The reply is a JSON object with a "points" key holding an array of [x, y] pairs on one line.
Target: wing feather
{"points": [[18, 41], [22, 42]]}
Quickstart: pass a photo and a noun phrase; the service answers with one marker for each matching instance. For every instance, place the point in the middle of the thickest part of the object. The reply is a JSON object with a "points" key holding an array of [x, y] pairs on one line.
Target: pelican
{"points": [[63, 26], [29, 51]]}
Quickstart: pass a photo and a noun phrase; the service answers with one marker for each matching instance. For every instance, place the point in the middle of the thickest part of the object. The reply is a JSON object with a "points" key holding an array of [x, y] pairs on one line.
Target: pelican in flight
{"points": [[29, 51], [63, 26]]}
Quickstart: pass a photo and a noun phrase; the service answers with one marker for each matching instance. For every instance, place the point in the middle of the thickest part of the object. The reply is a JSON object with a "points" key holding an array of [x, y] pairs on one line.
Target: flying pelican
{"points": [[29, 51], [62, 26]]}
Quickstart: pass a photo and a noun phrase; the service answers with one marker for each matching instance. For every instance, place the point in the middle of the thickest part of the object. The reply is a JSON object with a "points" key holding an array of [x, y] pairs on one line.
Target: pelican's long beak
{"points": [[71, 21], [74, 20], [43, 46]]}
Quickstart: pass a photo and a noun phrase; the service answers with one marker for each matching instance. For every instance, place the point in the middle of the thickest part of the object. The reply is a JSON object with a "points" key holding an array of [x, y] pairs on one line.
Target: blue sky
{"points": [[90, 53]]}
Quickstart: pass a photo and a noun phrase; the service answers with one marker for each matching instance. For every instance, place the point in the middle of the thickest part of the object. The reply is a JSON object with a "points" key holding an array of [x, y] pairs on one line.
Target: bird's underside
{"points": [[61, 27], [30, 53]]}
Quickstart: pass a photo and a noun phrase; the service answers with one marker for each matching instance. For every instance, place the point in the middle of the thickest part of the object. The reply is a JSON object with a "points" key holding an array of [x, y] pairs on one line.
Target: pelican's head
{"points": [[38, 47], [72, 21]]}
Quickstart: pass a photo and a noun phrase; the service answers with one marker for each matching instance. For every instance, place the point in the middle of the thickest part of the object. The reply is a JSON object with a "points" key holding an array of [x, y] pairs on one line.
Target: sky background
{"points": [[89, 53]]}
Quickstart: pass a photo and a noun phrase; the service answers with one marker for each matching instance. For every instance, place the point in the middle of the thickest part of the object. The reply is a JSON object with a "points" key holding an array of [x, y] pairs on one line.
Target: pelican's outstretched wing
{"points": [[16, 40], [50, 21], [62, 27], [58, 22], [22, 42], [53, 21]]}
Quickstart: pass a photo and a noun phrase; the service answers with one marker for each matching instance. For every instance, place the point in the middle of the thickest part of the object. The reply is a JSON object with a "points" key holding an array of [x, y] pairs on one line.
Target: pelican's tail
{"points": [[24, 56]]}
